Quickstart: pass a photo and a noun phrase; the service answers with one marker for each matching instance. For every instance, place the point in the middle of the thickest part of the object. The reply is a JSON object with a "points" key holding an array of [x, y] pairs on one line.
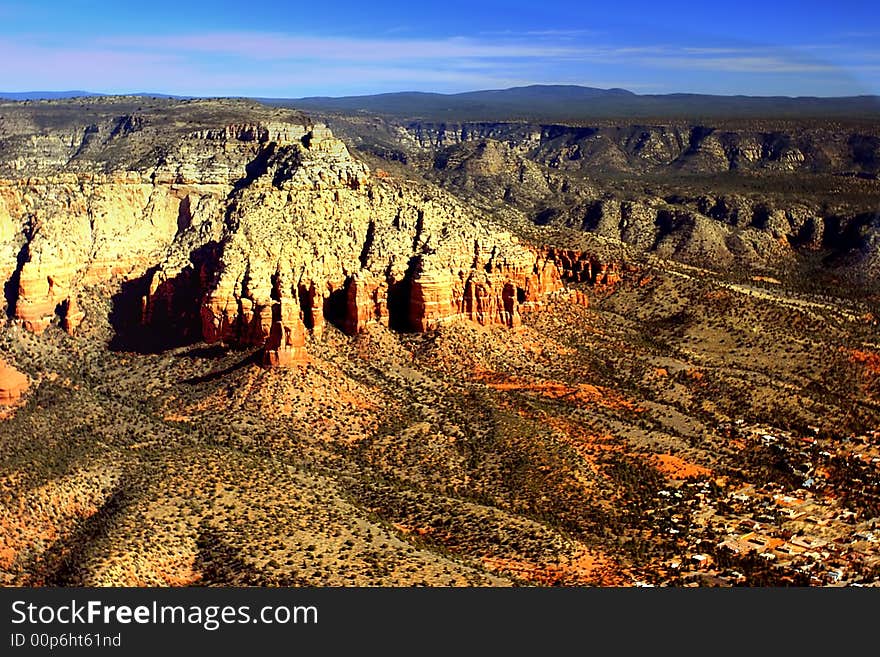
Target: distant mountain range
{"points": [[63, 95], [566, 103], [555, 103], [44, 95]]}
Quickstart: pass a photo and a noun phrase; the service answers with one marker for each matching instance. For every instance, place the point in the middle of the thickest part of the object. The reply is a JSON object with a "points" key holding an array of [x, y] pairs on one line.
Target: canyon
{"points": [[770, 194], [244, 345], [252, 234]]}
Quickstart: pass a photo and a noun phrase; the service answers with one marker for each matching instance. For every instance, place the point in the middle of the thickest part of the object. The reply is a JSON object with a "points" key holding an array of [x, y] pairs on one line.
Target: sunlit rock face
{"points": [[254, 232]]}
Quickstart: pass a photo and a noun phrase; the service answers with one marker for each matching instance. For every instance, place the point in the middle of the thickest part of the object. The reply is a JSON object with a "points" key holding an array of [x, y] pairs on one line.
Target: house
{"points": [[749, 525], [701, 560], [737, 546], [808, 542], [757, 540]]}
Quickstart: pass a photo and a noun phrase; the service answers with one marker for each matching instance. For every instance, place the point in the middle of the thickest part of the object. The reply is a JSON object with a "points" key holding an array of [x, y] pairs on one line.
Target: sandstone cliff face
{"points": [[254, 232], [316, 239], [647, 147], [709, 229], [86, 204], [81, 232], [13, 384], [439, 135], [777, 195]]}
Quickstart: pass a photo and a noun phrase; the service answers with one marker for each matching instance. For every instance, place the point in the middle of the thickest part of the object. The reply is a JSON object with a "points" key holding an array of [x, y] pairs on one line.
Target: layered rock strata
{"points": [[13, 384], [259, 234], [314, 238]]}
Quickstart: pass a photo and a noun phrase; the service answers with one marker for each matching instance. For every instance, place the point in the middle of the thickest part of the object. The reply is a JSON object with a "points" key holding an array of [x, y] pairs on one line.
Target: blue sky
{"points": [[283, 49]]}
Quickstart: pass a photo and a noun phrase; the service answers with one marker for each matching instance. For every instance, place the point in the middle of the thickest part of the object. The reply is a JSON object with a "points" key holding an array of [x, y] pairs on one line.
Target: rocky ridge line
{"points": [[255, 233]]}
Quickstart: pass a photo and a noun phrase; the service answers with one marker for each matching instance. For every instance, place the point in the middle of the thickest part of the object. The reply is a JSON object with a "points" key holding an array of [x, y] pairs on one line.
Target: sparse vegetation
{"points": [[644, 437]]}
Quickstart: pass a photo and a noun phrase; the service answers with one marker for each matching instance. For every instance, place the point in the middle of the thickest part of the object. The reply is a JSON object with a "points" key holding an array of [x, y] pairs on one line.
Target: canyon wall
{"points": [[251, 233], [685, 147]]}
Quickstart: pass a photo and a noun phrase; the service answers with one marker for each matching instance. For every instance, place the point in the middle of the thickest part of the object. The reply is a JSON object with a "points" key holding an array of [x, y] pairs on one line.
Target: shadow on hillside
{"points": [[220, 563], [250, 359], [61, 564], [170, 317]]}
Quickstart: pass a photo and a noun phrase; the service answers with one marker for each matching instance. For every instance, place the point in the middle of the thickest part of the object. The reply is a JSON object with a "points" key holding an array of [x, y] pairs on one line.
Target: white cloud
{"points": [[260, 46], [742, 64], [272, 64]]}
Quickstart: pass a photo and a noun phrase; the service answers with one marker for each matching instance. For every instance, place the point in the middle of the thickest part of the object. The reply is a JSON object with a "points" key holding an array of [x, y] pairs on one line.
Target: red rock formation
{"points": [[39, 296], [491, 300], [544, 280], [13, 384], [256, 233], [80, 230], [493, 294], [432, 301], [71, 316], [285, 345], [607, 274], [574, 266], [312, 305], [366, 301]]}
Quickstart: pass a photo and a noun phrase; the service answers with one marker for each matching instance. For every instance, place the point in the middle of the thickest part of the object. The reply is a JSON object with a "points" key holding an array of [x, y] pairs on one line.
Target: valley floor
{"points": [[677, 430]]}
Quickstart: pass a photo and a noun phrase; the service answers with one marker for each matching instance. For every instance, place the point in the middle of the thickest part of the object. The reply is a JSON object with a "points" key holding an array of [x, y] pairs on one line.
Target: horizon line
{"points": [[84, 93]]}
